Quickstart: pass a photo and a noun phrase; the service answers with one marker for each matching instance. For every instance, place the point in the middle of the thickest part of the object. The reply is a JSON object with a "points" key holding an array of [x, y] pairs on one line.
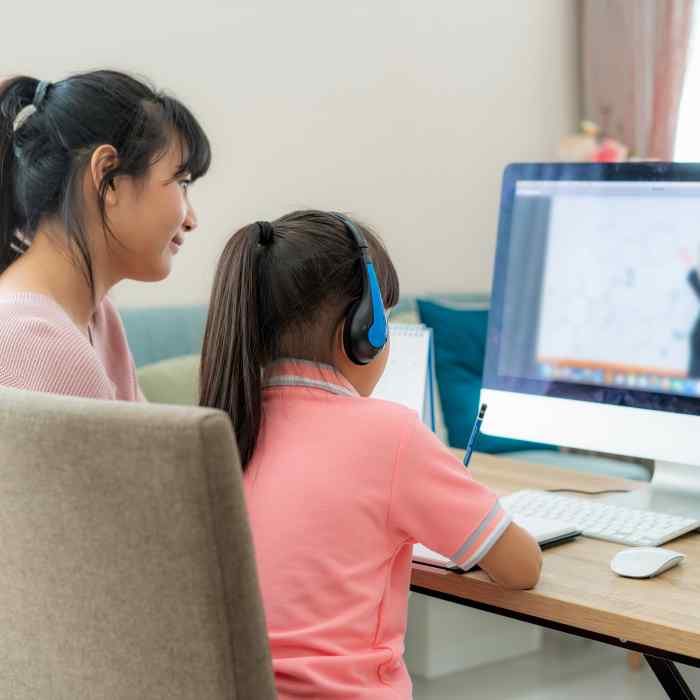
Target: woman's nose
{"points": [[190, 222]]}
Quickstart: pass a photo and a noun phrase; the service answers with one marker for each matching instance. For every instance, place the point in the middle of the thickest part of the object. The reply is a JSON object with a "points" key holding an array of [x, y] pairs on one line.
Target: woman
{"points": [[94, 178]]}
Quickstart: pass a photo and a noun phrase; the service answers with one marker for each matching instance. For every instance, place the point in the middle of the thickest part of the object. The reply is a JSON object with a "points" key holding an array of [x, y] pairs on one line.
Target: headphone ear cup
{"points": [[356, 332]]}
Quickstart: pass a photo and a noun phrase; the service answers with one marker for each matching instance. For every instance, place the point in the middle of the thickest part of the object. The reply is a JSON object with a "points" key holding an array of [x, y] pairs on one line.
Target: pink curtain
{"points": [[633, 58]]}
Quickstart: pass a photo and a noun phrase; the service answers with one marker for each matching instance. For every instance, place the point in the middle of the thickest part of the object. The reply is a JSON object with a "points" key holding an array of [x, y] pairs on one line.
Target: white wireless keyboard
{"points": [[599, 520]]}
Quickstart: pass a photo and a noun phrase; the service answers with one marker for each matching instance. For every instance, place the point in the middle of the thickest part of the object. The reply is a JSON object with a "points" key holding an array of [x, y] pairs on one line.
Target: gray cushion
{"points": [[174, 381]]}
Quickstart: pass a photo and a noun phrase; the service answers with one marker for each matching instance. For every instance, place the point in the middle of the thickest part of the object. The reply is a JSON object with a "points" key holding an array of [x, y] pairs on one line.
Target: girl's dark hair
{"points": [[284, 298], [43, 159]]}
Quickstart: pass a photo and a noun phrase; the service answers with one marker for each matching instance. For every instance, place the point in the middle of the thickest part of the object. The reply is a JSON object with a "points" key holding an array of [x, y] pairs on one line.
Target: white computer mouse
{"points": [[644, 562]]}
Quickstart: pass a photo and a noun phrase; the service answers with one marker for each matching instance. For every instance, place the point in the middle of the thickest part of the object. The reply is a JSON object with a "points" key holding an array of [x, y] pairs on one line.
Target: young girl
{"points": [[339, 487], [94, 173]]}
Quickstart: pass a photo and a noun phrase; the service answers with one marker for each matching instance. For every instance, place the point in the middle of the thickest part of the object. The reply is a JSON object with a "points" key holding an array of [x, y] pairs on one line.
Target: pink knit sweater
{"points": [[41, 349]]}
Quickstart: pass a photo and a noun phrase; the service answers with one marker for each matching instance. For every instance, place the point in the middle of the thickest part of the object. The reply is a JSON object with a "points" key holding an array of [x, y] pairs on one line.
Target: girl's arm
{"points": [[437, 502], [515, 561]]}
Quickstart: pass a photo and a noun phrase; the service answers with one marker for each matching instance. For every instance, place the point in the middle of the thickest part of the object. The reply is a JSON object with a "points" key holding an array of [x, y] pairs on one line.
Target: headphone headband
{"points": [[360, 240]]}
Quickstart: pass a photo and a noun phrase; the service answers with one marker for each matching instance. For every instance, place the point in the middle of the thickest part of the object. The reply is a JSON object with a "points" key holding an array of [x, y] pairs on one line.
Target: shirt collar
{"points": [[292, 372]]}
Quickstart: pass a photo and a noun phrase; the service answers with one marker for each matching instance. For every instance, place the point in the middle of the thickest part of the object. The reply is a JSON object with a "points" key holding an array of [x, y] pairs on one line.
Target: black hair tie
{"points": [[42, 90], [266, 233]]}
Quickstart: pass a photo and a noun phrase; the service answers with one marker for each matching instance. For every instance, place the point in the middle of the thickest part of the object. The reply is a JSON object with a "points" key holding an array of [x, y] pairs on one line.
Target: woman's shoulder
{"points": [[42, 350], [29, 312], [26, 315]]}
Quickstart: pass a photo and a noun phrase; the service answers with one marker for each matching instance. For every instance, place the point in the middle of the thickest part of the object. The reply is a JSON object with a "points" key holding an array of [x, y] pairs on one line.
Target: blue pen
{"points": [[474, 435]]}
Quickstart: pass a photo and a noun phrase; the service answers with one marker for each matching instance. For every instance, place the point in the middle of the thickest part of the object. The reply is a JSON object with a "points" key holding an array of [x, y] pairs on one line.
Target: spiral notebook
{"points": [[409, 377]]}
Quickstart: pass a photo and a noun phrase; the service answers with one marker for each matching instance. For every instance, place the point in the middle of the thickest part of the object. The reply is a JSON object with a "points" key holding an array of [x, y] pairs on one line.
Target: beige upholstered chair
{"points": [[126, 564]]}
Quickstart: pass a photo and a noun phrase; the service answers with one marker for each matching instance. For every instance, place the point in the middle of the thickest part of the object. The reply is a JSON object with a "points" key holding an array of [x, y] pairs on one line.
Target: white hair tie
{"points": [[22, 116], [40, 93]]}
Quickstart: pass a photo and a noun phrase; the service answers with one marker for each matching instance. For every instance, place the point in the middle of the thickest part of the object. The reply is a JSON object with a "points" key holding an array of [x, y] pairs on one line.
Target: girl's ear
{"points": [[104, 159]]}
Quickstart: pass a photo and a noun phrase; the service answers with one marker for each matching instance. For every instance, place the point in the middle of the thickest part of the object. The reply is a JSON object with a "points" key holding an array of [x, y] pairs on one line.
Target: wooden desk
{"points": [[577, 592]]}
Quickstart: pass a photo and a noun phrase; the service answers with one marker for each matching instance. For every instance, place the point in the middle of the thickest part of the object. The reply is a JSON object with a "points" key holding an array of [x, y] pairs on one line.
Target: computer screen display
{"points": [[596, 291]]}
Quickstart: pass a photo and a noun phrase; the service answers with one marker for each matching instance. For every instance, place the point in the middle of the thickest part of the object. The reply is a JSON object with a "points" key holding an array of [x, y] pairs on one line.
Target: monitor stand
{"points": [[674, 489]]}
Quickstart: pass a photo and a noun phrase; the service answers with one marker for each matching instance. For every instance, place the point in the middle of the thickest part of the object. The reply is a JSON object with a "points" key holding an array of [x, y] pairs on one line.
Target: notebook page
{"points": [[405, 379]]}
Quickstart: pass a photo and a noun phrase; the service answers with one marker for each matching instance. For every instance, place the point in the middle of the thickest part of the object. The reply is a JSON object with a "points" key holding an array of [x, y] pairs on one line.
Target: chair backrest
{"points": [[126, 564]]}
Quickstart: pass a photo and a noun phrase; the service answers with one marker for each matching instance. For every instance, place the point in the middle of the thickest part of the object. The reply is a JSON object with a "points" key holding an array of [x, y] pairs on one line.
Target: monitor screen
{"points": [[596, 290]]}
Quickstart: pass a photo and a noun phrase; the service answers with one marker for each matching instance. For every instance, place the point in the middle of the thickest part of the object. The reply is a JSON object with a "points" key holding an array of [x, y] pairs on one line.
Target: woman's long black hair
{"points": [[284, 297], [43, 157]]}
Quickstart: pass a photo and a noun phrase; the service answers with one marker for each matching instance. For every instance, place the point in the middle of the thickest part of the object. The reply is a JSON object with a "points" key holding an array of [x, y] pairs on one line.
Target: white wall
{"points": [[401, 112]]}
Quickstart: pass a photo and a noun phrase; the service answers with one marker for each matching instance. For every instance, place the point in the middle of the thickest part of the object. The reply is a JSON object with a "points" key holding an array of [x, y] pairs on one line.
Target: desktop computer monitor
{"points": [[594, 329]]}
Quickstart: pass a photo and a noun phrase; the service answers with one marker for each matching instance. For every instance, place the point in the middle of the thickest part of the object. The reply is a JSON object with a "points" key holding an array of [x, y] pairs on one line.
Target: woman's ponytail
{"points": [[15, 94], [235, 347]]}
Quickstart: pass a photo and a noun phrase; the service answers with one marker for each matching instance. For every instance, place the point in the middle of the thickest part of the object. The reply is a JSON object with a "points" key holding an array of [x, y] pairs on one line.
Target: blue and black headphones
{"points": [[366, 329]]}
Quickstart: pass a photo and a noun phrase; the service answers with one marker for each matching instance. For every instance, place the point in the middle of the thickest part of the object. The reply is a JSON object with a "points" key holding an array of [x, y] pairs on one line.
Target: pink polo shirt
{"points": [[41, 349], [339, 489]]}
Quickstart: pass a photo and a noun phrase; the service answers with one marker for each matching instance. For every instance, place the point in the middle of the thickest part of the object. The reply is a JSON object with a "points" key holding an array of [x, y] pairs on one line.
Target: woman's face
{"points": [[151, 218]]}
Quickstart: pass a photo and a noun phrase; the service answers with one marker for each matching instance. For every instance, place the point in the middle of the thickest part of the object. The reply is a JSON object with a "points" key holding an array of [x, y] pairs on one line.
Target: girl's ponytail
{"points": [[14, 95], [281, 290], [235, 348]]}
